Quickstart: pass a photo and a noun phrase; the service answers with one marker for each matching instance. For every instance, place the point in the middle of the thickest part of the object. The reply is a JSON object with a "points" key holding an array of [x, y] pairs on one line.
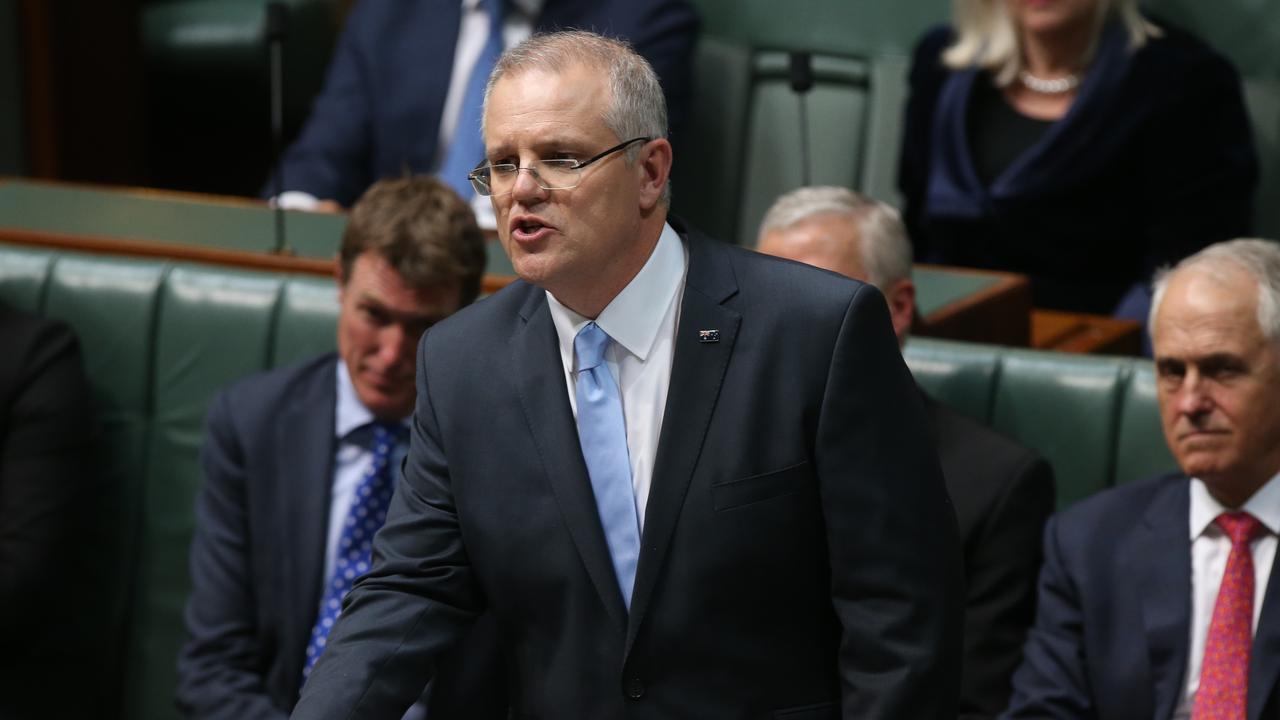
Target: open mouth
{"points": [[528, 229]]}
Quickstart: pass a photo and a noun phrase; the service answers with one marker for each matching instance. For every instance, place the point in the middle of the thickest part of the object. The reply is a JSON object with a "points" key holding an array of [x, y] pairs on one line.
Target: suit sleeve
{"points": [[1051, 682], [416, 602], [332, 157], [924, 82], [45, 477], [892, 538], [1001, 565], [220, 669]]}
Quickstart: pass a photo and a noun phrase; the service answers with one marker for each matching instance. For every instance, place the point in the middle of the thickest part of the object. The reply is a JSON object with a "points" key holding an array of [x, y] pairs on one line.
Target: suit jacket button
{"points": [[635, 688]]}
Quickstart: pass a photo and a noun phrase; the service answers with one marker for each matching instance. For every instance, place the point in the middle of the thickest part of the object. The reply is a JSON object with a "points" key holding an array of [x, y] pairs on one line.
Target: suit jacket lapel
{"points": [[305, 474], [540, 378], [1264, 665], [1161, 558], [697, 372]]}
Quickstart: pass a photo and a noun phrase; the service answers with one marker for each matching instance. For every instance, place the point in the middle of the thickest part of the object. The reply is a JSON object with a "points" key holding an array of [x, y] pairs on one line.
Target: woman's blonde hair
{"points": [[987, 38]]}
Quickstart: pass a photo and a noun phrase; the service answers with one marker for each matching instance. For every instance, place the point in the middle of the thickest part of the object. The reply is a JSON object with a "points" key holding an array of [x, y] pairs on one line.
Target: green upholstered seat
{"points": [[1145, 451], [1095, 419], [159, 339], [962, 375], [1064, 406], [743, 146]]}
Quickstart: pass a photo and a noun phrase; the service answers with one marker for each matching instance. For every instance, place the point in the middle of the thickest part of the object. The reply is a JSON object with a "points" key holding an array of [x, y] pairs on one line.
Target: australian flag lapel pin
{"points": [[708, 336]]}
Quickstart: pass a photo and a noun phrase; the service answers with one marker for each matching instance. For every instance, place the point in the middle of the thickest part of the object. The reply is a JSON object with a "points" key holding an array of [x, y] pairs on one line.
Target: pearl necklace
{"points": [[1055, 86]]}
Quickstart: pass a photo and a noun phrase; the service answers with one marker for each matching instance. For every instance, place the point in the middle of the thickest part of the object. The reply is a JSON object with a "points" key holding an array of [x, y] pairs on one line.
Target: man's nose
{"points": [[396, 345], [526, 189], [1193, 396]]}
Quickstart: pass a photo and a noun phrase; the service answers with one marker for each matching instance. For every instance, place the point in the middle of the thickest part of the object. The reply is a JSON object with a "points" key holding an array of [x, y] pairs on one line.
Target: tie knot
{"points": [[1241, 527], [589, 345]]}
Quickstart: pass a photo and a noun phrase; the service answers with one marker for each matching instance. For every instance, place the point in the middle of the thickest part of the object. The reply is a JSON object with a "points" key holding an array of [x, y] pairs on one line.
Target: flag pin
{"points": [[708, 336]]}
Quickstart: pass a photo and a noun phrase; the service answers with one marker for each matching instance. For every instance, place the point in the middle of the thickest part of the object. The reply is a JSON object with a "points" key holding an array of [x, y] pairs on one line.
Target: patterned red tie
{"points": [[1224, 677]]}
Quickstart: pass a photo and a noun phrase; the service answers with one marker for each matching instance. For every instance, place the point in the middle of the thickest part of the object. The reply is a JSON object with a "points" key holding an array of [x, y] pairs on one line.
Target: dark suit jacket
{"points": [[257, 559], [798, 558], [50, 494], [378, 115], [1154, 161], [1003, 493], [1112, 627]]}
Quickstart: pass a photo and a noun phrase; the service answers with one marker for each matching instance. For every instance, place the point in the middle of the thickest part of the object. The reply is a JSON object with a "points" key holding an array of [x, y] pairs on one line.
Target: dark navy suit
{"points": [[798, 559], [1112, 627], [257, 559], [378, 115]]}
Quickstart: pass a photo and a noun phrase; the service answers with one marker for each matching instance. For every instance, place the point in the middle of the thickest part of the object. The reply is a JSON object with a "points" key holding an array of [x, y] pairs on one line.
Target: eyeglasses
{"points": [[500, 179]]}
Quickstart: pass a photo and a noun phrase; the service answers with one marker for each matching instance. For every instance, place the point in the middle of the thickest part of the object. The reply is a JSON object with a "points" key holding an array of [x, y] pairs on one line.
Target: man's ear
{"points": [[901, 296], [654, 164]]}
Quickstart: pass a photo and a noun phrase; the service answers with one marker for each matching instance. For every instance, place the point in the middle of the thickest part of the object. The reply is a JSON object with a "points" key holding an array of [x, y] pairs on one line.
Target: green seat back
{"points": [[159, 340], [962, 375], [1143, 450], [744, 145]]}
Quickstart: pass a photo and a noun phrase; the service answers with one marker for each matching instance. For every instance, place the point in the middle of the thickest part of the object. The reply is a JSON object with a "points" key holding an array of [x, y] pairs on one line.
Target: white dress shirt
{"points": [[1210, 548], [642, 321]]}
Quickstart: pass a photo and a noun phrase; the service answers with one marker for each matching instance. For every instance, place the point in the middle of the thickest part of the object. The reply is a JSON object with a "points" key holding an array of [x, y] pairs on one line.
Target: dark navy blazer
{"points": [[1153, 161], [1112, 628], [798, 558], [378, 115]]}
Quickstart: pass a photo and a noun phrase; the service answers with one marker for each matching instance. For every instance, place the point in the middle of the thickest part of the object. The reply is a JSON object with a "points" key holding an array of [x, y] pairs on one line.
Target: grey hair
{"points": [[1259, 258], [883, 242], [637, 107], [986, 36]]}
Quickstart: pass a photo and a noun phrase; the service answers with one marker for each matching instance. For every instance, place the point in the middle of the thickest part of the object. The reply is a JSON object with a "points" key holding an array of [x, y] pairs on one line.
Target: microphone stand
{"points": [[277, 17]]}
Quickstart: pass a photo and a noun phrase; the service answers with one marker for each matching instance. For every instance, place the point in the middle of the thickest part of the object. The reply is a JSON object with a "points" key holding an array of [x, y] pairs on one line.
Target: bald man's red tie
{"points": [[1224, 676]]}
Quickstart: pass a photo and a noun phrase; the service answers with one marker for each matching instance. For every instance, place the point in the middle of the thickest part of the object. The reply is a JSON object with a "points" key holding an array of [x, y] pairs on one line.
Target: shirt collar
{"points": [[632, 318], [350, 414], [1263, 505]]}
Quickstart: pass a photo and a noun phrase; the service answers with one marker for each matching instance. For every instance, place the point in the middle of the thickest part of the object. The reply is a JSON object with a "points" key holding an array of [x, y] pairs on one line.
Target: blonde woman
{"points": [[1076, 141]]}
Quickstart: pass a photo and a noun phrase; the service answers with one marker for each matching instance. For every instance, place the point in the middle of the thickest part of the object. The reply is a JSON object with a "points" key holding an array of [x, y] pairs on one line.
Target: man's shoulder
{"points": [[972, 453], [266, 391], [1116, 510]]}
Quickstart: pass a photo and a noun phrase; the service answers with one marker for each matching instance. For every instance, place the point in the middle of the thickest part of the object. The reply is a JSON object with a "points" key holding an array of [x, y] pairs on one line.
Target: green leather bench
{"points": [[160, 338], [1094, 418]]}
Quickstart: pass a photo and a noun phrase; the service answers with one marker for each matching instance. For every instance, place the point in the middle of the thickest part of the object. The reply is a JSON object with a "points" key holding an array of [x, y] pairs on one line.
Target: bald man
{"points": [[1003, 493]]}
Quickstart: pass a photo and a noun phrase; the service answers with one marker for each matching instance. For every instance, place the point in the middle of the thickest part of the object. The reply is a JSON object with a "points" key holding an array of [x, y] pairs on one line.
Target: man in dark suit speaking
{"points": [[1154, 599], [687, 480], [1003, 493]]}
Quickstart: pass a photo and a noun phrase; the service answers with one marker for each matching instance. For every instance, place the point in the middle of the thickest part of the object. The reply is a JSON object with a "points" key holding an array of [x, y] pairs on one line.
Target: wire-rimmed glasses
{"points": [[562, 174]]}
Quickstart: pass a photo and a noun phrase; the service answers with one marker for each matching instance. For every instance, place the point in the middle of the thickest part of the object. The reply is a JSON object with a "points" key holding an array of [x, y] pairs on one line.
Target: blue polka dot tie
{"points": [[355, 545]]}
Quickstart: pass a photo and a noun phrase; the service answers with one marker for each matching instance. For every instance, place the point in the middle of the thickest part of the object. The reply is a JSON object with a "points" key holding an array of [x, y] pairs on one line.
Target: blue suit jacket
{"points": [[257, 559], [378, 115], [1113, 624]]}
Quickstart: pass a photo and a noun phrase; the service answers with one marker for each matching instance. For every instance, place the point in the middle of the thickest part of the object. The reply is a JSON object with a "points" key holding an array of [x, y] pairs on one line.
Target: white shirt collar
{"points": [[633, 317], [530, 8], [1264, 505], [350, 413]]}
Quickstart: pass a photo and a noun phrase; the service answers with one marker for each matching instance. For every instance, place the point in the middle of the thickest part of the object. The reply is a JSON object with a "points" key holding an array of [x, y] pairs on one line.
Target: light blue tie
{"points": [[467, 148], [603, 434], [355, 545]]}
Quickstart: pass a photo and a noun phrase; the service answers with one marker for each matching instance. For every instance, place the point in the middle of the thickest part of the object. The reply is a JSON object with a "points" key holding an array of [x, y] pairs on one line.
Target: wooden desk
{"points": [[973, 305], [215, 229], [1082, 333]]}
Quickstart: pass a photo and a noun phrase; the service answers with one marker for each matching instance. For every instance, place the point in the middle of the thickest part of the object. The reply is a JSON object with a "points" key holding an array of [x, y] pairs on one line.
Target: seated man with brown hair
{"points": [[299, 462], [1002, 492]]}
